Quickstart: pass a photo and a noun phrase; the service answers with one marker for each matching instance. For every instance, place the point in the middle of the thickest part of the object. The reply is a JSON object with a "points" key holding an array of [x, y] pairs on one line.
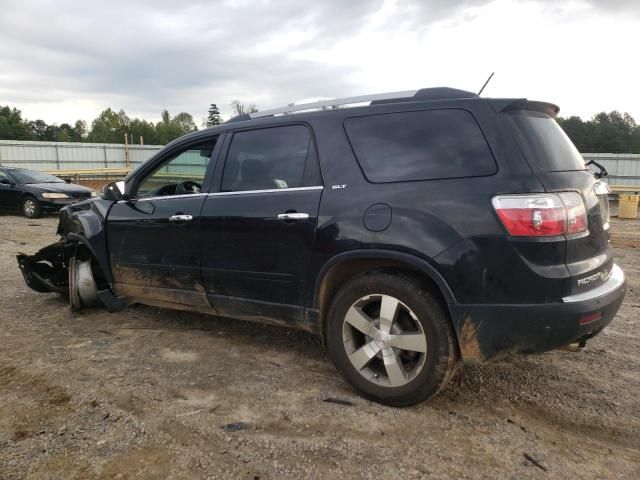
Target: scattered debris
{"points": [[534, 461], [236, 426], [338, 401], [189, 413]]}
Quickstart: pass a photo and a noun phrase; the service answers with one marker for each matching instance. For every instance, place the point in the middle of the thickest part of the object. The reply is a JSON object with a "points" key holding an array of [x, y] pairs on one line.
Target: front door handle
{"points": [[180, 218], [293, 216]]}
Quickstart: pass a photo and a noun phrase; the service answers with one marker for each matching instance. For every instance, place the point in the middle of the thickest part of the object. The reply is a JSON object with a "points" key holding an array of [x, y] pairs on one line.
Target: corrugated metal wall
{"points": [[624, 169], [70, 156]]}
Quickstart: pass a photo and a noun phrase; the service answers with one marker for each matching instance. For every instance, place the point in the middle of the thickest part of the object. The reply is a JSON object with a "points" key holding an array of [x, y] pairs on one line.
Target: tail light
{"points": [[541, 214]]}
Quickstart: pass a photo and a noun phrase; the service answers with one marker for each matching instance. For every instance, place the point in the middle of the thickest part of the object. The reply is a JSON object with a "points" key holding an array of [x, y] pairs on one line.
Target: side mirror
{"points": [[114, 191]]}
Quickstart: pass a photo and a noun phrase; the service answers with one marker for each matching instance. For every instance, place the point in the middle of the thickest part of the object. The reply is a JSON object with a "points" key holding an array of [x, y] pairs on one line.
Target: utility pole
{"points": [[141, 140]]}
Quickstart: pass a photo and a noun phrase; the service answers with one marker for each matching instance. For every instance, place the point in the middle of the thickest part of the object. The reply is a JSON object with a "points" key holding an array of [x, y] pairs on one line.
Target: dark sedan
{"points": [[34, 193]]}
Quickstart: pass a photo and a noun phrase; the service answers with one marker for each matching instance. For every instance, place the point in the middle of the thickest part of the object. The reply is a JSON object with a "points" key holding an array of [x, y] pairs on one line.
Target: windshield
{"points": [[30, 176], [546, 146]]}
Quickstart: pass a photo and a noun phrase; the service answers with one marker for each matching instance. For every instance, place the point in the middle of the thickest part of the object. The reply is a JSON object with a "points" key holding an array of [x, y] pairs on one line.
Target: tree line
{"points": [[110, 126], [612, 132]]}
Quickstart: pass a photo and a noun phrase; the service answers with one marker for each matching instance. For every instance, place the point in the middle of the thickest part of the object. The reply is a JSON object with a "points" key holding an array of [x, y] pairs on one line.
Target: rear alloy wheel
{"points": [[30, 207], [385, 352], [391, 339]]}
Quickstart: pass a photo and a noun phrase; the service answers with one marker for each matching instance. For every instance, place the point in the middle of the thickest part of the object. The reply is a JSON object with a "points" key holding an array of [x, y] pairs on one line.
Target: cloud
{"points": [[64, 60], [149, 55]]}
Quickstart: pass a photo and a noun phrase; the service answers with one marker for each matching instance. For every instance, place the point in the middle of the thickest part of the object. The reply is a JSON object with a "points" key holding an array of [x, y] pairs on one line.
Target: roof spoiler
{"points": [[512, 105]]}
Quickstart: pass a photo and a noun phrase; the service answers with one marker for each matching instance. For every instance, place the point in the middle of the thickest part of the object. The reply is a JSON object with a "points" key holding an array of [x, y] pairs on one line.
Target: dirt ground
{"points": [[146, 393]]}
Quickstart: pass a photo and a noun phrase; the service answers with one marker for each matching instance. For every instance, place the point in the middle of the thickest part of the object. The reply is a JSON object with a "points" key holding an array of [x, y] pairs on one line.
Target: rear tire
{"points": [[30, 207], [391, 339]]}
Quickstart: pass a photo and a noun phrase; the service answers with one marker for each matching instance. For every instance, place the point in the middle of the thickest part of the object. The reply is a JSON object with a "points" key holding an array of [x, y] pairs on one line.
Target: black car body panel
{"points": [[239, 257]]}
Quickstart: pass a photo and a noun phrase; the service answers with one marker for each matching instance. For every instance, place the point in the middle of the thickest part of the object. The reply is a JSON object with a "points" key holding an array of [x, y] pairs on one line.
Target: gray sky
{"points": [[69, 59]]}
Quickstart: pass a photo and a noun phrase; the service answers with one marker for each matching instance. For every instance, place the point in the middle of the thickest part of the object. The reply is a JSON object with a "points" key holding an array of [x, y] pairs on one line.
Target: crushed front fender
{"points": [[48, 269]]}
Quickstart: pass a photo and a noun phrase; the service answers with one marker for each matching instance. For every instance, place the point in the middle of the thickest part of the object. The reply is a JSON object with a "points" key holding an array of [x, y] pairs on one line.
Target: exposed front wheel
{"points": [[391, 339], [30, 207], [83, 291]]}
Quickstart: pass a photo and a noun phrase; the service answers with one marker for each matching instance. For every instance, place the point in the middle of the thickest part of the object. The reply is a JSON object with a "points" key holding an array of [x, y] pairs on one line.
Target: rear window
{"points": [[424, 145], [546, 146]]}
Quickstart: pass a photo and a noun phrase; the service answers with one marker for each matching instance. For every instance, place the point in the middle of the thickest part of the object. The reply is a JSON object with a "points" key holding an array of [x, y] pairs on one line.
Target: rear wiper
{"points": [[603, 171]]}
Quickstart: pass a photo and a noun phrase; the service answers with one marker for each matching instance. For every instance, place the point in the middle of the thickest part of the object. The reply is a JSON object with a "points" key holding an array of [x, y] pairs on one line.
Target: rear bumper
{"points": [[486, 332]]}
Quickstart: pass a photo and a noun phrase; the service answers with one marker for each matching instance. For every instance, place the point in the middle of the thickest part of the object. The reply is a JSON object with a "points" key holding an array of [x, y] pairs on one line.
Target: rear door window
{"points": [[423, 145], [544, 143], [268, 158]]}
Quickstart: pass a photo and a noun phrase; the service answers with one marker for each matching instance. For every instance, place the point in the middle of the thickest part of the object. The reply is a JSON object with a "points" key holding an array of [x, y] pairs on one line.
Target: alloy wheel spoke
{"points": [[364, 354], [395, 369], [359, 320], [415, 342], [388, 310]]}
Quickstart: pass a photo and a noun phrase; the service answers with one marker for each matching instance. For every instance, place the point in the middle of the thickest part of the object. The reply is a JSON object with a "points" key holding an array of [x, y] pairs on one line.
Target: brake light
{"points": [[541, 214], [576, 213]]}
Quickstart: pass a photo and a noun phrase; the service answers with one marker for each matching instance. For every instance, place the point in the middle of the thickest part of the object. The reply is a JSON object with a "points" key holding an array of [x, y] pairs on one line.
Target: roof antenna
{"points": [[485, 83]]}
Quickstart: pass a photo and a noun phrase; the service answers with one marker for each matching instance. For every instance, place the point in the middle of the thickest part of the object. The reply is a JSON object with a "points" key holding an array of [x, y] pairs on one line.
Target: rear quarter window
{"points": [[422, 145]]}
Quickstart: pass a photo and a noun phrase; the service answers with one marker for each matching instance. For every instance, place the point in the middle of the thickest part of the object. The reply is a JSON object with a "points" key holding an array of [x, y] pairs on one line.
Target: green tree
{"points": [[109, 127], [240, 108], [79, 132], [611, 132], [184, 123], [65, 133], [169, 128], [51, 133], [146, 130], [38, 129], [578, 131], [213, 117], [12, 126]]}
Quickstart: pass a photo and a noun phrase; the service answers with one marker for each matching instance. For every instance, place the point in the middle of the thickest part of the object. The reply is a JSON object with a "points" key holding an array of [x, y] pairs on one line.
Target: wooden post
{"points": [[126, 150], [57, 157]]}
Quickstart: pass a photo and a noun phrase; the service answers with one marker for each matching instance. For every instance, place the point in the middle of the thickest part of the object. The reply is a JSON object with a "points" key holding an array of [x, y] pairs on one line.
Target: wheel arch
{"points": [[25, 195], [101, 270], [342, 267]]}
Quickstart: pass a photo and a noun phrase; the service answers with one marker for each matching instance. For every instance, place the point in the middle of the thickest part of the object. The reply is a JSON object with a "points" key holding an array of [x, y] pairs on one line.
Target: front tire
{"points": [[391, 339], [30, 207]]}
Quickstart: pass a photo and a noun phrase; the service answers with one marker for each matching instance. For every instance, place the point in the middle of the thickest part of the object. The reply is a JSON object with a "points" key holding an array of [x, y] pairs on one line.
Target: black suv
{"points": [[421, 229]]}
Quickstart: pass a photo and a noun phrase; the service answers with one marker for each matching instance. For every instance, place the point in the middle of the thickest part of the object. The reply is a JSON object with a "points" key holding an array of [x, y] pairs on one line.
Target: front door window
{"points": [[181, 175]]}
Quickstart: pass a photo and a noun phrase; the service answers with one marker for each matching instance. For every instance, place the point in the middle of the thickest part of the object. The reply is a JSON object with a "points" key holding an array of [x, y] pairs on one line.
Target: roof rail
{"points": [[333, 103]]}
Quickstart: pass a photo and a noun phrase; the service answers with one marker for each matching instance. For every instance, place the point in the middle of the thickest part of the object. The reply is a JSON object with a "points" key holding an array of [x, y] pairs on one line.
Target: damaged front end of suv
{"points": [[77, 265]]}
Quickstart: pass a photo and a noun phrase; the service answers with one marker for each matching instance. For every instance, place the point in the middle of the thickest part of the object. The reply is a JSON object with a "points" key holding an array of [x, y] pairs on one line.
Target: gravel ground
{"points": [[147, 393]]}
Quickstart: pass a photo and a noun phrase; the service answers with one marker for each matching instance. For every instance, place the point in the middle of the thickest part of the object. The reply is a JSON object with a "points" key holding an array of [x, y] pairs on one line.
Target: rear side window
{"points": [[546, 146], [267, 159], [423, 145]]}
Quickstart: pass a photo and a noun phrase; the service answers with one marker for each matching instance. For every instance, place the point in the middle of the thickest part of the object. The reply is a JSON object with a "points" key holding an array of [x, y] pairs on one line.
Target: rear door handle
{"points": [[293, 216], [180, 218]]}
